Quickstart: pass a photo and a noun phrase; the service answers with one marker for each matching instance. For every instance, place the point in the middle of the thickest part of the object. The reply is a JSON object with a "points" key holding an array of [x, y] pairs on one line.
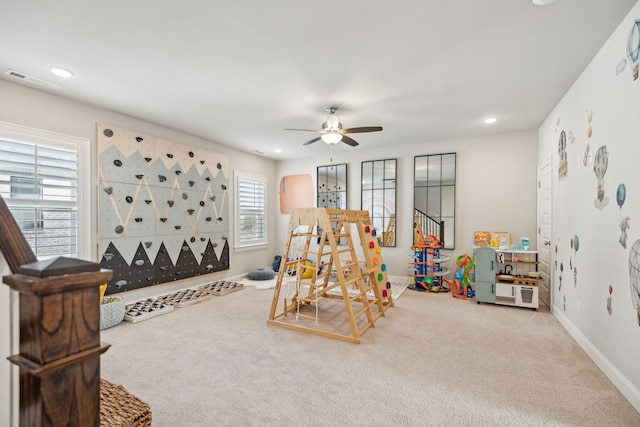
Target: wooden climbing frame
{"points": [[325, 237]]}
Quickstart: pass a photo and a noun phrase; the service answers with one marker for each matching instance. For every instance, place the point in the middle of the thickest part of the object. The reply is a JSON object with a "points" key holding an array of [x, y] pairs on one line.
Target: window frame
{"points": [[254, 244], [23, 134]]}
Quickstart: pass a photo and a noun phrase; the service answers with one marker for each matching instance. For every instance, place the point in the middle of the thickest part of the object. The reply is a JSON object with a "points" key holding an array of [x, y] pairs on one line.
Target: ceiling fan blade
{"points": [[314, 140], [362, 129], [349, 141], [304, 130]]}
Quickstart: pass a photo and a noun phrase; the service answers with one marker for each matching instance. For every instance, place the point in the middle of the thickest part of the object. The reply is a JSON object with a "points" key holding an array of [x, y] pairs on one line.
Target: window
{"points": [[251, 210], [39, 180]]}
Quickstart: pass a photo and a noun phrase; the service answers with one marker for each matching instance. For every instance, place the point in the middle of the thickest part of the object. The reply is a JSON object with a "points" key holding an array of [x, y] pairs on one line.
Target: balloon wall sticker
{"points": [[560, 276], [563, 164], [634, 277], [621, 195], [609, 300], [633, 48], [600, 163], [587, 156], [589, 119]]}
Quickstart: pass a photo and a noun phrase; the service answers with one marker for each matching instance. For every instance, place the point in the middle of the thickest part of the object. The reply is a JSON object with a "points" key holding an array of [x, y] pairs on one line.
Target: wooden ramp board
{"points": [[185, 297], [221, 288], [146, 309]]}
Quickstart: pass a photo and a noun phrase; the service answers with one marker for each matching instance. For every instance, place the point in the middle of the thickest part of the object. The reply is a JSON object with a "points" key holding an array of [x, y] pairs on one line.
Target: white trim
{"points": [[631, 393]]}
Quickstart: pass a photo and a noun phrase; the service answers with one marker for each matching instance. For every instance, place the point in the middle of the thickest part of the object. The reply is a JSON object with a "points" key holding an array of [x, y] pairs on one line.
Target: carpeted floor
{"points": [[432, 361]]}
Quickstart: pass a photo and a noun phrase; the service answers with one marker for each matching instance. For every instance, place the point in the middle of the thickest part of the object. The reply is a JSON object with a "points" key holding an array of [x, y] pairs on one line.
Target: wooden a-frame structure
{"points": [[324, 237]]}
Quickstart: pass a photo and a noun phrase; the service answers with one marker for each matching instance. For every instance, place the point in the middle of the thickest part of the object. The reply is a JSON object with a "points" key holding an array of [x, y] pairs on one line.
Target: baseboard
{"points": [[631, 393]]}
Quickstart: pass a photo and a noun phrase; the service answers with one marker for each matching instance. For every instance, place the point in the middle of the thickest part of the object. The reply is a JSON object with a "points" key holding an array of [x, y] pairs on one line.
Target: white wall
{"points": [[28, 107], [612, 339], [495, 190]]}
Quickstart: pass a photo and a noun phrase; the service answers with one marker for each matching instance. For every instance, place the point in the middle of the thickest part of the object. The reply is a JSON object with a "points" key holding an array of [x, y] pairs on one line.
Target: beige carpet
{"points": [[432, 361]]}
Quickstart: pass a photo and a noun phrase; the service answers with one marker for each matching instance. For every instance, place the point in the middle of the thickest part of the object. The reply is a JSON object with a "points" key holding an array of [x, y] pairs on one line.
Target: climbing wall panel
{"points": [[163, 209]]}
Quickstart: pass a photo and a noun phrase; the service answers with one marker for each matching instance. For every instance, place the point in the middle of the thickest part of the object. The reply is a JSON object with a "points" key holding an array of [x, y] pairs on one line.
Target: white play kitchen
{"points": [[507, 277]]}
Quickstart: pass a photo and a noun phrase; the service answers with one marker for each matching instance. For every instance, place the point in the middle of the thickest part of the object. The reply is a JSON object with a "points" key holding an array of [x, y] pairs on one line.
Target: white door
{"points": [[544, 233]]}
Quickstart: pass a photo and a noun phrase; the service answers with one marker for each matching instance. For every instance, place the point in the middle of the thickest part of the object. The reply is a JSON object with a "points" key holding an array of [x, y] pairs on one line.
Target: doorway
{"points": [[544, 195]]}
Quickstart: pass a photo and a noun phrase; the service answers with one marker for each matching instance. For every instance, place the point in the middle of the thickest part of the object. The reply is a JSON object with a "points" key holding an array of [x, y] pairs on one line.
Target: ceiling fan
{"points": [[332, 131]]}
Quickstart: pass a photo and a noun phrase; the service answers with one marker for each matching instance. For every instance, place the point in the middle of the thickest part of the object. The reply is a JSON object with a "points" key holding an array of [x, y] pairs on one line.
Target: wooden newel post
{"points": [[60, 344]]}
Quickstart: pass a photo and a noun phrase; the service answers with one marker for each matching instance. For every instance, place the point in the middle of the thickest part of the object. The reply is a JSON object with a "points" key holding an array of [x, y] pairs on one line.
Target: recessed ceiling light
{"points": [[62, 72], [542, 2], [490, 120], [278, 150]]}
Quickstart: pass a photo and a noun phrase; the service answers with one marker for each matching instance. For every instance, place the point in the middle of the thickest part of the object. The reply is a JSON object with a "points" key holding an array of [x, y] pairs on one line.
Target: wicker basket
{"points": [[119, 408], [112, 313]]}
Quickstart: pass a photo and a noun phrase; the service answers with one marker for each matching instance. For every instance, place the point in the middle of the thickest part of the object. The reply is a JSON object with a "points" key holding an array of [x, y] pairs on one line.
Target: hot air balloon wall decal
{"points": [[621, 195], [600, 164], [563, 164], [163, 209]]}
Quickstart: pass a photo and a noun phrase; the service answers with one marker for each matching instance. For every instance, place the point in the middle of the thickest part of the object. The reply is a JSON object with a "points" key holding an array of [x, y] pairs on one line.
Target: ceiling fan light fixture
{"points": [[331, 137]]}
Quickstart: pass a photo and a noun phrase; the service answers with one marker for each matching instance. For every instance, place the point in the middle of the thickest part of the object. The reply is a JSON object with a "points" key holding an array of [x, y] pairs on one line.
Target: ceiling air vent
{"points": [[23, 78]]}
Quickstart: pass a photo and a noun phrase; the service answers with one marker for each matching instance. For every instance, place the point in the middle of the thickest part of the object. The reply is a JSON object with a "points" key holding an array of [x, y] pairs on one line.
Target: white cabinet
{"points": [[517, 295]]}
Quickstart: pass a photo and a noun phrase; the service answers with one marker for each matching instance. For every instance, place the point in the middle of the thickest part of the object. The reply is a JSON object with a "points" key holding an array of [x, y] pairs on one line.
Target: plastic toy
{"points": [[462, 284]]}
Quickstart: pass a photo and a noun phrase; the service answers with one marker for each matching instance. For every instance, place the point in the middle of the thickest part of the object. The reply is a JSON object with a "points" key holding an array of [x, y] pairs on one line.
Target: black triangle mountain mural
{"points": [[163, 209]]}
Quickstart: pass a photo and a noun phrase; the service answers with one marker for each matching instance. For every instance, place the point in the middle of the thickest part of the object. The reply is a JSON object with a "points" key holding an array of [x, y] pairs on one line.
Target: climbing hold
{"points": [[148, 159], [162, 178], [148, 201], [117, 162], [367, 229], [108, 133], [201, 202], [178, 227], [169, 155], [108, 190], [380, 276], [372, 245], [178, 172], [191, 183], [139, 176], [184, 196], [139, 139], [119, 229], [190, 211], [148, 244], [383, 267], [129, 199], [163, 219], [191, 154], [138, 219], [170, 203]]}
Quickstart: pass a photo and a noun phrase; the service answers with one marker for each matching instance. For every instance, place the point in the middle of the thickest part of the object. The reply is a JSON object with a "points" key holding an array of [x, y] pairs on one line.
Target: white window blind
{"points": [[40, 186], [251, 210]]}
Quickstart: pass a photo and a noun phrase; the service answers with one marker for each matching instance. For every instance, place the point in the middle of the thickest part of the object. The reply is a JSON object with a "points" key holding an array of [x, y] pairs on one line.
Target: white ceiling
{"points": [[240, 71]]}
